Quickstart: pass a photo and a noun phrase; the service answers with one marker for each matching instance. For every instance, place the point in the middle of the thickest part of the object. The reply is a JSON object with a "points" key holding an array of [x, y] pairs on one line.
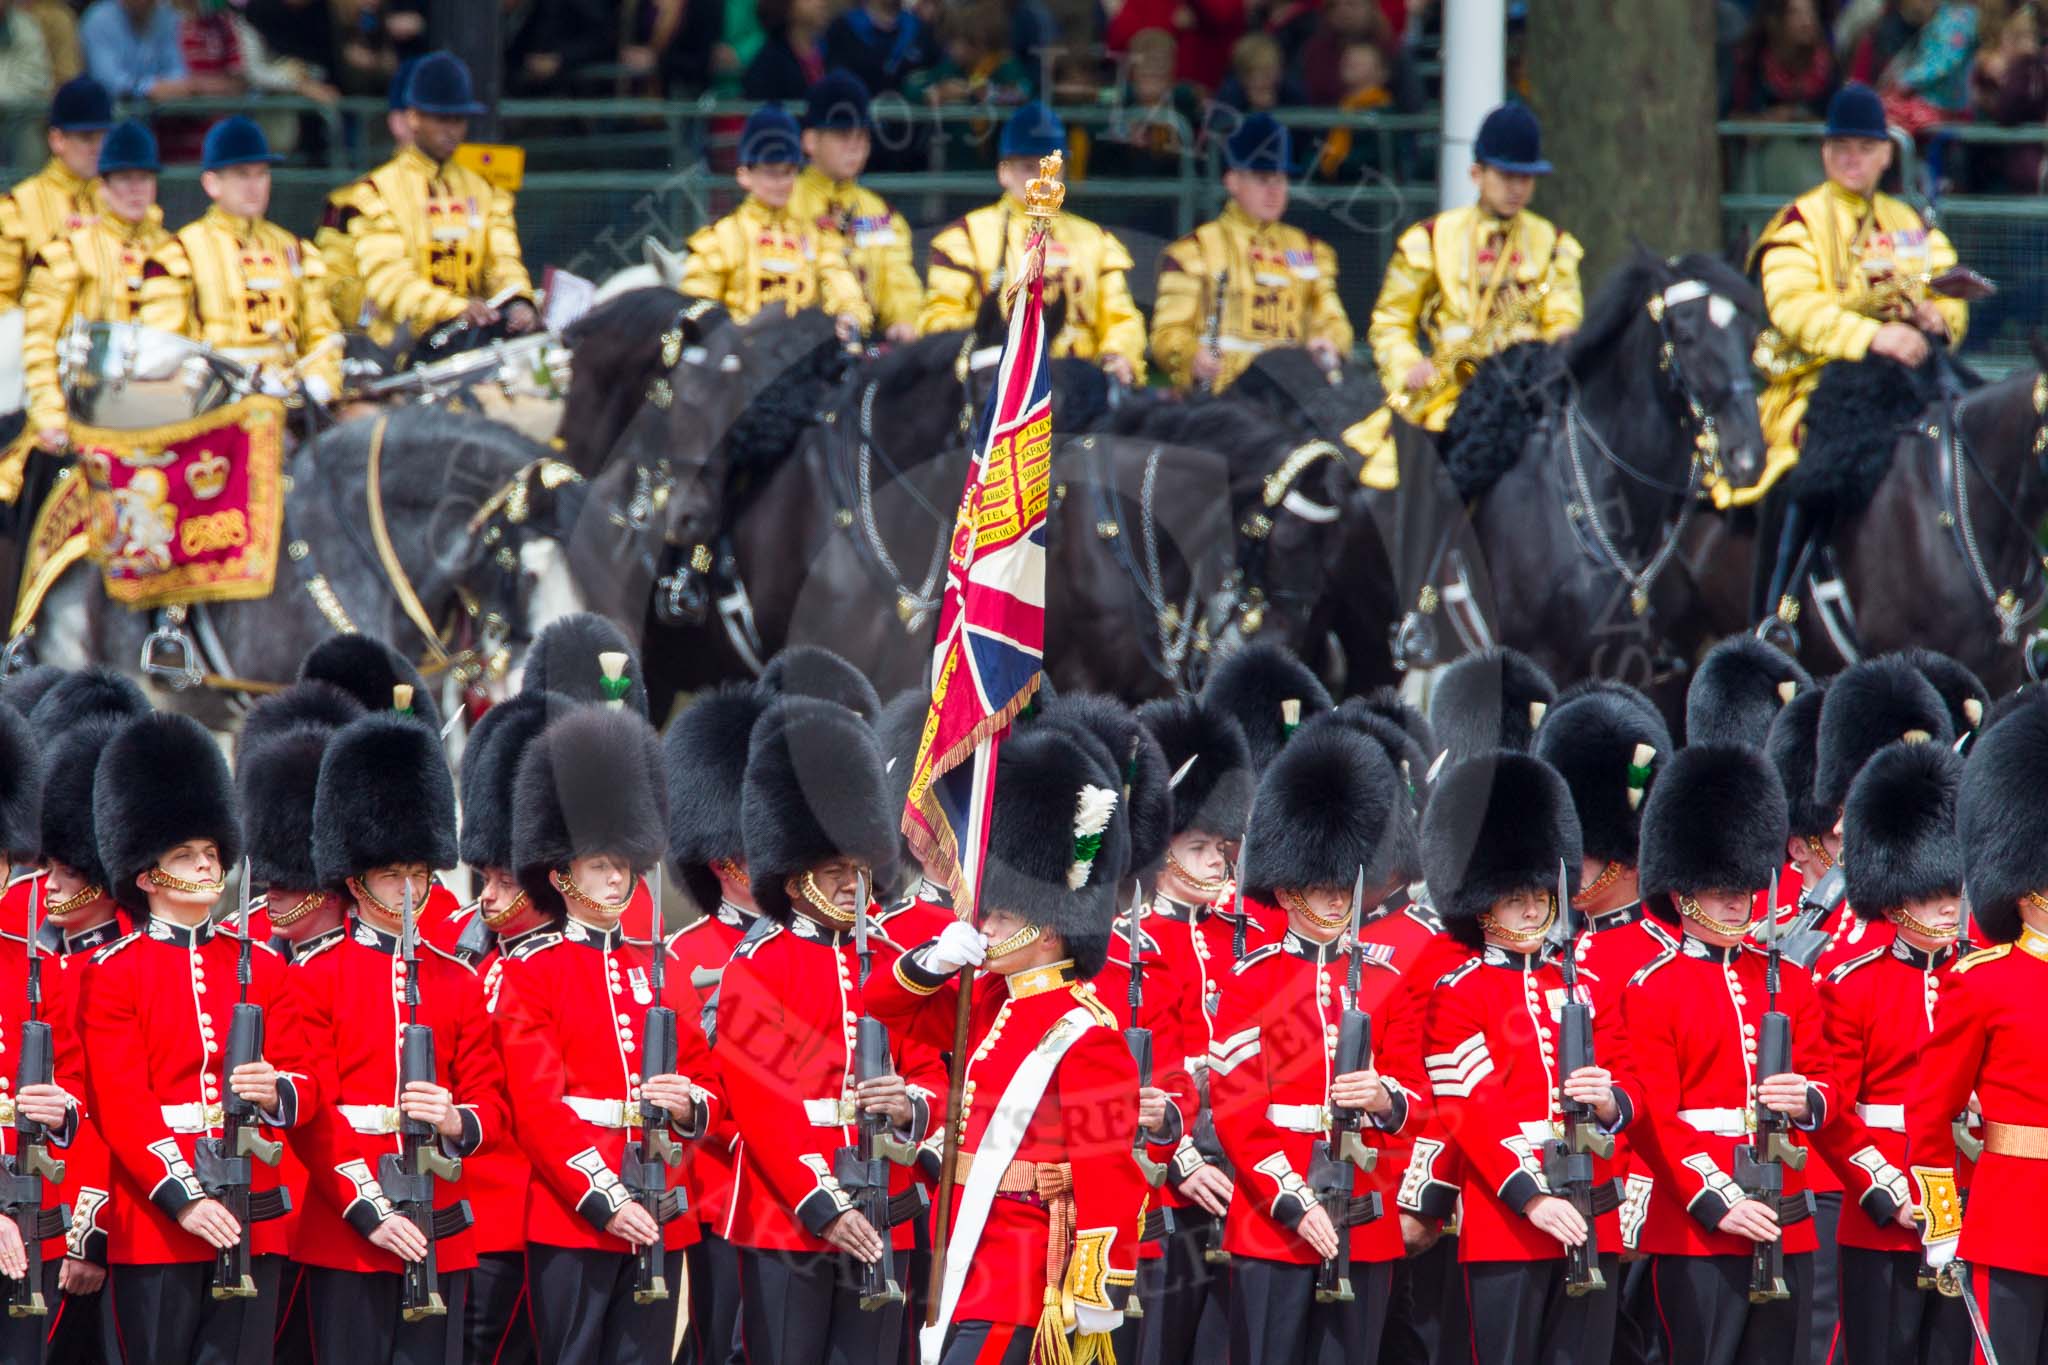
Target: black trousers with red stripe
{"points": [[1275, 1319], [1888, 1319], [1186, 1300], [1703, 1304], [497, 1329], [1524, 1316], [2016, 1312], [357, 1319], [583, 1309], [803, 1308], [166, 1315], [988, 1343], [714, 1301]]}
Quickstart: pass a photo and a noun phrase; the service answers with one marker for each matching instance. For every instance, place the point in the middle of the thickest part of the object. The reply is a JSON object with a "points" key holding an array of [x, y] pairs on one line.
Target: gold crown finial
{"points": [[1045, 192]]}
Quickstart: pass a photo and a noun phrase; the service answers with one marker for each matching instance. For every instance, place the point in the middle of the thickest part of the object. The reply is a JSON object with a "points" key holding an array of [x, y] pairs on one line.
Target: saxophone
{"points": [[1512, 319]]}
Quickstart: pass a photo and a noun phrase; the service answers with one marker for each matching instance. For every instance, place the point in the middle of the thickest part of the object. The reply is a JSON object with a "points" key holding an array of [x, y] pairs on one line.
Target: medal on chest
{"points": [[636, 977]]}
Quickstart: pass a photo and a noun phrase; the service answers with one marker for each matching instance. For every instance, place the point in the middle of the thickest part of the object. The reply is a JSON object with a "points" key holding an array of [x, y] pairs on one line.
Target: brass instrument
{"points": [[1891, 299], [1512, 319]]}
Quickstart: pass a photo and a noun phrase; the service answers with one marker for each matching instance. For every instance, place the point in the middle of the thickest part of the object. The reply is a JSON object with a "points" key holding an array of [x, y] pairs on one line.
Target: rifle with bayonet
{"points": [[1205, 1139], [223, 1164], [22, 1175], [1333, 1160], [645, 1165], [862, 1168], [1760, 1163], [1806, 937], [1568, 1158], [408, 1175]]}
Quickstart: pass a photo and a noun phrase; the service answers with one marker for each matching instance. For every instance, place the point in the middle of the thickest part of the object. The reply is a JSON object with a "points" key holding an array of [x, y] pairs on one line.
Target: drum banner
{"points": [[191, 512]]}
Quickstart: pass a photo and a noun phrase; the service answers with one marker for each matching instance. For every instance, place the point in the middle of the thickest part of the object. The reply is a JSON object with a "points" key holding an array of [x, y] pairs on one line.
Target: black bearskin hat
{"points": [[1500, 823], [319, 704], [1899, 829], [1386, 701], [1411, 770], [1793, 746], [590, 783], [278, 780], [69, 765], [21, 789], [367, 669], [1215, 795], [1056, 791], [899, 730], [87, 692], [385, 797], [705, 754], [814, 671], [1330, 804], [1875, 703], [1608, 745], [1962, 691], [1494, 699], [161, 780], [2003, 823], [814, 790], [2021, 697], [23, 690], [1737, 690], [563, 659], [490, 772], [1252, 687], [1139, 760], [1716, 822]]}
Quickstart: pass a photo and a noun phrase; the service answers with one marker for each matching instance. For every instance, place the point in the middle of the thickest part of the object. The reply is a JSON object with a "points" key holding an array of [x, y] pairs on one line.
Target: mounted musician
{"points": [[1848, 273], [1470, 282]]}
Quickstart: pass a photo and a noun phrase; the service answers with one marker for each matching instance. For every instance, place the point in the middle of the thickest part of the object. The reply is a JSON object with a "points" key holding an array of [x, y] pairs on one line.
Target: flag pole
{"points": [[1043, 197]]}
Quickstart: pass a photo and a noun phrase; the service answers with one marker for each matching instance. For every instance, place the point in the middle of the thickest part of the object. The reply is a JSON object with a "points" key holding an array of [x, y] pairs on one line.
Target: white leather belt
{"points": [[1299, 1118], [1720, 1122], [1244, 345], [834, 1113], [605, 1113], [1892, 1116], [193, 1118], [376, 1119]]}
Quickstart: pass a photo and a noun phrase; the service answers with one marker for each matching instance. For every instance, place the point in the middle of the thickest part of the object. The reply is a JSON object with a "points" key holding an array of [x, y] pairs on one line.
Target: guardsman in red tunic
{"points": [[55, 1104], [1042, 1254], [573, 1011], [705, 754], [154, 1015], [1984, 1055], [1713, 835], [1813, 849], [383, 821], [1500, 830], [1186, 1307], [1329, 807], [1905, 865], [818, 827], [497, 1327]]}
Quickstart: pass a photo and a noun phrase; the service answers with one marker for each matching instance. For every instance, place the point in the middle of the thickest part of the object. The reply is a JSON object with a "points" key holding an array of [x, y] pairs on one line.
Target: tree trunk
{"points": [[474, 30], [1626, 93]]}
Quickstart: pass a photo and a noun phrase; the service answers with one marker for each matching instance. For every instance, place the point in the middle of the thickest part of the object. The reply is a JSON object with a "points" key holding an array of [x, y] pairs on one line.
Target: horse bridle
{"points": [[1705, 463], [1244, 597], [1957, 456]]}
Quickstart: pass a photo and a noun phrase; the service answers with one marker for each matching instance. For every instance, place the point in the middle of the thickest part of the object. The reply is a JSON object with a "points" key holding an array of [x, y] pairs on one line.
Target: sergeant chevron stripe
{"points": [[1456, 1072]]}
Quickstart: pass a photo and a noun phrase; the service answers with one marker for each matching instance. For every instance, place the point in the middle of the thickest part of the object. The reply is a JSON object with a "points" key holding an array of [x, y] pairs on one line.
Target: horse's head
{"points": [[512, 573], [626, 351], [1697, 319], [1289, 537]]}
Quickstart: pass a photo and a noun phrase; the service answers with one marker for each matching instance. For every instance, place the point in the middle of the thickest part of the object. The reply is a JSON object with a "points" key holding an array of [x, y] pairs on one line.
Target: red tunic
{"points": [[1879, 1015], [1986, 1040], [66, 1071], [571, 1012], [787, 1005], [1085, 1118], [88, 1178], [1171, 1046], [1692, 1016], [1270, 1070], [706, 944], [495, 1180], [1492, 1035], [153, 1015], [353, 987]]}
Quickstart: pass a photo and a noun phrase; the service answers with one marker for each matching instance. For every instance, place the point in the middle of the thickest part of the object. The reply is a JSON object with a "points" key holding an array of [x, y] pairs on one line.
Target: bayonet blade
{"points": [[1182, 771]]}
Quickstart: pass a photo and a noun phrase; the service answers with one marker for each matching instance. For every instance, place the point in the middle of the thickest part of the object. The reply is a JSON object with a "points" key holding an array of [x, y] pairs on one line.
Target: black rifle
{"points": [[1333, 1160], [408, 1175], [1206, 1141], [645, 1165], [1806, 937], [223, 1164], [1760, 1163], [1139, 1038], [862, 1169], [22, 1175], [1568, 1158]]}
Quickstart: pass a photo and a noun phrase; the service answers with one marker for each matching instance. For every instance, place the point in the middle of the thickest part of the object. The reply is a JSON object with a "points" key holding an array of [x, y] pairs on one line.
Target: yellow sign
{"points": [[504, 167]]}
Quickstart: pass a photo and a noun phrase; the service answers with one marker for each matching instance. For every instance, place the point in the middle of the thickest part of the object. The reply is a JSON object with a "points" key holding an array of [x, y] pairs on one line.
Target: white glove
{"points": [[317, 388], [1090, 1321], [1941, 1253], [959, 945]]}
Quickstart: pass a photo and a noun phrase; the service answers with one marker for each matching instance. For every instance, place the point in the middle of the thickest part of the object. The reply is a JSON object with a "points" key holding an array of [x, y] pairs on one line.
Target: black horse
{"points": [[1599, 453], [474, 515]]}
